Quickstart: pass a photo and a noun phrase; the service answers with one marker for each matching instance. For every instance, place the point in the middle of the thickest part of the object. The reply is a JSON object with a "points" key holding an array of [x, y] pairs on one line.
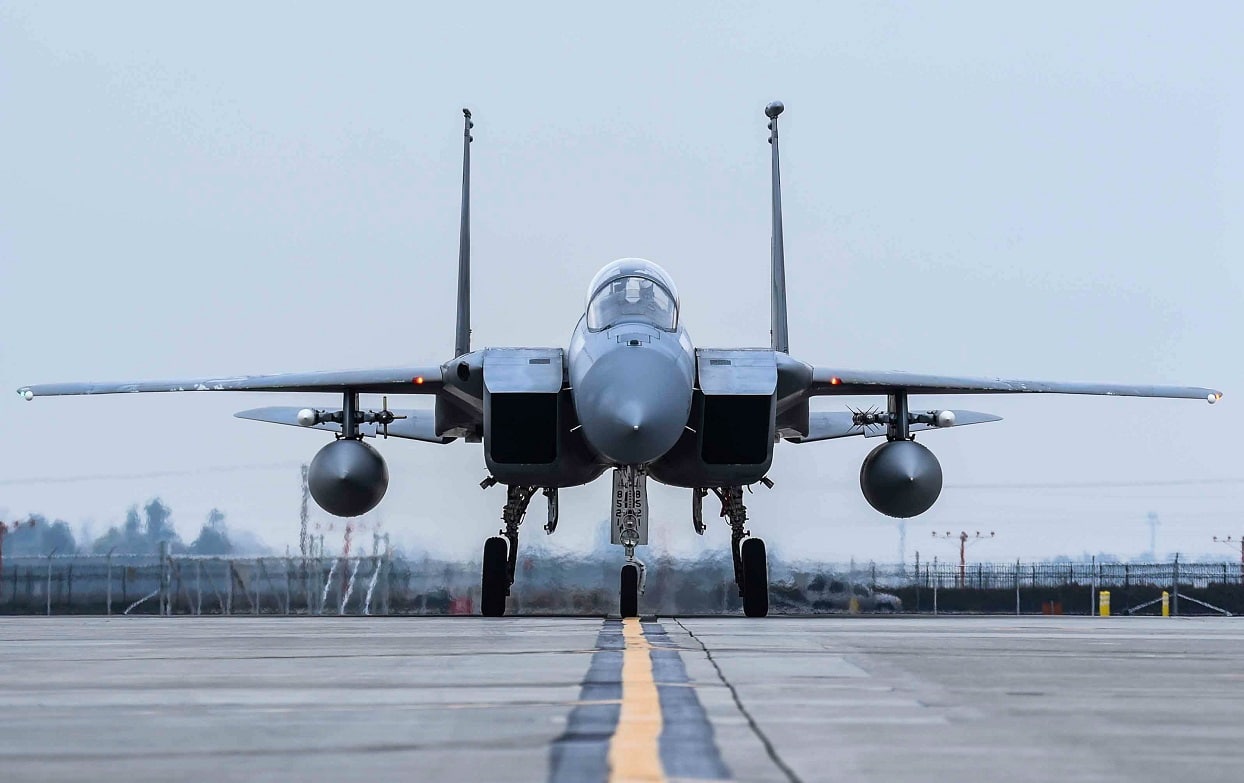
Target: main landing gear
{"points": [[751, 566], [501, 551]]}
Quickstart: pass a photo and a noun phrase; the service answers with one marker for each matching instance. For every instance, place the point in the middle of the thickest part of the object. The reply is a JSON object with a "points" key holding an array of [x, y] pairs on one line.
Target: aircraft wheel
{"points": [[495, 582], [629, 593], [755, 578]]}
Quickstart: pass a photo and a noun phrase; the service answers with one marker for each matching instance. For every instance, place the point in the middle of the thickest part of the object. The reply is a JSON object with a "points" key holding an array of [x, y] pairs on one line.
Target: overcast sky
{"points": [[1053, 192]]}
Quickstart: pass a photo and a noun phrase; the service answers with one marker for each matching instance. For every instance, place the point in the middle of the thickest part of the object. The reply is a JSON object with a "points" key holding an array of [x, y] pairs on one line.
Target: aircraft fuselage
{"points": [[632, 386]]}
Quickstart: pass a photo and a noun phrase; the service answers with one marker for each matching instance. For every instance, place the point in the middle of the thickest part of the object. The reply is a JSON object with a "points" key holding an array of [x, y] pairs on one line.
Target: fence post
{"points": [[229, 588], [1092, 586], [49, 582], [388, 575], [937, 577], [306, 584], [198, 587], [1017, 588], [108, 588], [1175, 588], [164, 578]]}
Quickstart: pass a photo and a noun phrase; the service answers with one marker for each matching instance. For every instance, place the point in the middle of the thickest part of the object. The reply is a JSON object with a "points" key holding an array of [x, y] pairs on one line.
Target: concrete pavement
{"points": [[532, 699]]}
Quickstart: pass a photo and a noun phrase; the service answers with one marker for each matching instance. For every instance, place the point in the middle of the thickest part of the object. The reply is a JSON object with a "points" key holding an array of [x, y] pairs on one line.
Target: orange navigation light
{"points": [[418, 380], [835, 381]]}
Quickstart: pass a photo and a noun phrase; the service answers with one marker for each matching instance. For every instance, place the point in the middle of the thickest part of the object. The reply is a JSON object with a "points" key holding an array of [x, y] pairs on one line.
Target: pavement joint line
{"points": [[738, 702]]}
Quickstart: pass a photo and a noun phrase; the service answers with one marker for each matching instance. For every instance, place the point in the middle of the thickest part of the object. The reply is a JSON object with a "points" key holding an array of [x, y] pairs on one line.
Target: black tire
{"points": [[628, 594], [755, 578], [495, 581]]}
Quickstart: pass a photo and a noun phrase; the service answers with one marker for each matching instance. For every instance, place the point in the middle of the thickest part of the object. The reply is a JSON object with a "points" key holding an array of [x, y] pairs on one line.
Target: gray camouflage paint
{"points": [[632, 384]]}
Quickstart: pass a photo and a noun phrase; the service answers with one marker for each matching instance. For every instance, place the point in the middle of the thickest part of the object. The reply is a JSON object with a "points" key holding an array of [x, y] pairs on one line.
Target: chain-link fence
{"points": [[587, 584]]}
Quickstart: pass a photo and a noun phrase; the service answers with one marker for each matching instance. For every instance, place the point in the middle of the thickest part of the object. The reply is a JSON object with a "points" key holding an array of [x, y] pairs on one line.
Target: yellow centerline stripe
{"points": [[634, 752]]}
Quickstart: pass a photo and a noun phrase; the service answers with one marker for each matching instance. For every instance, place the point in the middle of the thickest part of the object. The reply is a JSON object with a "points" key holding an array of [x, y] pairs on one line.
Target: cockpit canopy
{"points": [[632, 290]]}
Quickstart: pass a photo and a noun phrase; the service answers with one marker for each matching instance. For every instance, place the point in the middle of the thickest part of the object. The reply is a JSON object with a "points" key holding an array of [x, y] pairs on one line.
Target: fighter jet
{"points": [[632, 395]]}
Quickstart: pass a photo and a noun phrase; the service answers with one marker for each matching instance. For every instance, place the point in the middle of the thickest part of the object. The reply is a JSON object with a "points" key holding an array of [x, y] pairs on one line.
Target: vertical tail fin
{"points": [[781, 342], [462, 335]]}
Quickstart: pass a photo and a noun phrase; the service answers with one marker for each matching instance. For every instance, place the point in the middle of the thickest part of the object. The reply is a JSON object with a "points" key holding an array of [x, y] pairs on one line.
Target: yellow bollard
{"points": [[1103, 603], [1166, 604]]}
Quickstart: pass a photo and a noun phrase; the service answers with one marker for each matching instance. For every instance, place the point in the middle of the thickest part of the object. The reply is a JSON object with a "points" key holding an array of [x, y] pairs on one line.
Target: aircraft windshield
{"points": [[632, 298]]}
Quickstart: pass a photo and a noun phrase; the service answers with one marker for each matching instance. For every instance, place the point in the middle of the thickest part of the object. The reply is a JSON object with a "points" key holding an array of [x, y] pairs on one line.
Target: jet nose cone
{"points": [[633, 404]]}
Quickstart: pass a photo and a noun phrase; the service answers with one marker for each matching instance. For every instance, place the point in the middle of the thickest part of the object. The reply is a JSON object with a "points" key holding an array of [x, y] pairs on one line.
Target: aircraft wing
{"points": [[834, 381], [396, 380]]}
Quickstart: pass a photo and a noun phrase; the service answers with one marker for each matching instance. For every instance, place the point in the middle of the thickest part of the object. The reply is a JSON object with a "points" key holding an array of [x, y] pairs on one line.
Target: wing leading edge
{"points": [[833, 381], [395, 380], [411, 424], [842, 424]]}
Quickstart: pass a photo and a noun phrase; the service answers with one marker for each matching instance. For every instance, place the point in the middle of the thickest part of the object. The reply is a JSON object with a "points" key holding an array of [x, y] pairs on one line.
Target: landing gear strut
{"points": [[751, 568], [501, 552], [630, 529]]}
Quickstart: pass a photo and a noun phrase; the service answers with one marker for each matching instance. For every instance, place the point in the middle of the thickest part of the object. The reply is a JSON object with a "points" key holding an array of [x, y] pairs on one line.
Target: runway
{"points": [[535, 699]]}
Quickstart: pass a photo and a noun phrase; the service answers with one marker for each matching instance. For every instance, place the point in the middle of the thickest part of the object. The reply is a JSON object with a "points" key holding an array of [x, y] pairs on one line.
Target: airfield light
{"points": [[835, 381], [418, 380], [964, 541], [1233, 542]]}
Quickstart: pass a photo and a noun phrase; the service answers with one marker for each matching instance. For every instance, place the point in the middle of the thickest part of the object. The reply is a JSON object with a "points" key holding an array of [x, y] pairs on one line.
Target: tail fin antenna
{"points": [[778, 331], [462, 335]]}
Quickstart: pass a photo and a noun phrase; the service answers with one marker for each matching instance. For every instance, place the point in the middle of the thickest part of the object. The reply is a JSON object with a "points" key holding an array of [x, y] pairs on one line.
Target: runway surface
{"points": [[534, 699]]}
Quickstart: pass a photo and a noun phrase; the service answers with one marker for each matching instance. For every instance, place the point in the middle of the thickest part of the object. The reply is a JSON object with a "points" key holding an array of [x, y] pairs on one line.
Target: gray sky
{"points": [[1052, 192]]}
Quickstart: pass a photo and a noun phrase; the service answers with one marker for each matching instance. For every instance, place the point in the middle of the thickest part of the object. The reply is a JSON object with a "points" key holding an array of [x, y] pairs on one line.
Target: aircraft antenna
{"points": [[462, 335], [778, 332]]}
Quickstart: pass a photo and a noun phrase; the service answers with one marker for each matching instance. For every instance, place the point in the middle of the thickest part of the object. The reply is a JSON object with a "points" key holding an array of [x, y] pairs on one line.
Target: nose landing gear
{"points": [[630, 529], [631, 585]]}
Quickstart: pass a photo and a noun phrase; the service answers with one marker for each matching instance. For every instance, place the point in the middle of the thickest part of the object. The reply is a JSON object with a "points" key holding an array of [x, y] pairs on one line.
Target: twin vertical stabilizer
{"points": [[462, 334], [781, 342], [778, 324]]}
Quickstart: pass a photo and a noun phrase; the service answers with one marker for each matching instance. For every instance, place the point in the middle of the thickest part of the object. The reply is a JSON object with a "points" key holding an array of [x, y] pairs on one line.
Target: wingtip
{"points": [[252, 414]]}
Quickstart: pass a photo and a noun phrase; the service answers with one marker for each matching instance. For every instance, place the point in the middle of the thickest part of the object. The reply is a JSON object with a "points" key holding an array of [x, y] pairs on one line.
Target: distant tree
{"points": [[40, 538], [139, 535], [213, 536], [159, 526], [58, 537], [110, 540], [133, 525]]}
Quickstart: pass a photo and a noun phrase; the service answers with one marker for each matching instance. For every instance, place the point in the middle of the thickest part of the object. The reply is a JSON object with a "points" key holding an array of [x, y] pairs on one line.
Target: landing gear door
{"points": [[629, 523]]}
